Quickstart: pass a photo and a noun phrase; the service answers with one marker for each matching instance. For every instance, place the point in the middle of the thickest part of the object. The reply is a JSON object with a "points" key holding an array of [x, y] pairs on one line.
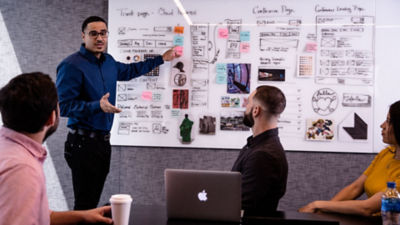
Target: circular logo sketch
{"points": [[180, 79], [324, 101]]}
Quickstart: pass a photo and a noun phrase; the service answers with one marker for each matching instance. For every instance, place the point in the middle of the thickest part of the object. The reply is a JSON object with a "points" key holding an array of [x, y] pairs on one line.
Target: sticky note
{"points": [[147, 95], [178, 30], [245, 36], [223, 33], [244, 47], [179, 50], [178, 40], [221, 68], [311, 47], [220, 78]]}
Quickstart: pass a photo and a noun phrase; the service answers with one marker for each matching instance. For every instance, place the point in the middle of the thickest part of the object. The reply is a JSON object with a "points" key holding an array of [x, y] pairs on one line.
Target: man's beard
{"points": [[52, 129], [248, 119]]}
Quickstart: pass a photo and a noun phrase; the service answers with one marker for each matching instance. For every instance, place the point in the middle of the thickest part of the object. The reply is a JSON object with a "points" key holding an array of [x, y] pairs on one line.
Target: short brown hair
{"points": [[271, 98], [27, 101]]}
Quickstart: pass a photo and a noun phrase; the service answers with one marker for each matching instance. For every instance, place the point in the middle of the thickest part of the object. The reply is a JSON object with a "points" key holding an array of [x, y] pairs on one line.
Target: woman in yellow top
{"points": [[385, 167]]}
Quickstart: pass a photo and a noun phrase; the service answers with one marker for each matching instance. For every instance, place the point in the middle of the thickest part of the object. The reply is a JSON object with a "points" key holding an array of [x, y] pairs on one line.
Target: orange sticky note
{"points": [[244, 47], [178, 30], [179, 50], [147, 95], [223, 33]]}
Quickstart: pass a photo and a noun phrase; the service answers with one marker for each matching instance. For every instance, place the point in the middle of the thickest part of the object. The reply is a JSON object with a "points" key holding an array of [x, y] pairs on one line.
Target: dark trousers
{"points": [[89, 160]]}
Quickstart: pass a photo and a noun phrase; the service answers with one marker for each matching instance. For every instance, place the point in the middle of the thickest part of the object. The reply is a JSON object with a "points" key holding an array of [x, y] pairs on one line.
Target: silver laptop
{"points": [[203, 194]]}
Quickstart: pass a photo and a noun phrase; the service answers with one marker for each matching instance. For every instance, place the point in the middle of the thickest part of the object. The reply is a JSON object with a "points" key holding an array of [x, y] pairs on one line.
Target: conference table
{"points": [[156, 215]]}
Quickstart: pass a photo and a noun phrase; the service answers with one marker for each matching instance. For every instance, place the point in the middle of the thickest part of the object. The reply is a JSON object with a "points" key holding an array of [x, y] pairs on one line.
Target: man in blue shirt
{"points": [[86, 83]]}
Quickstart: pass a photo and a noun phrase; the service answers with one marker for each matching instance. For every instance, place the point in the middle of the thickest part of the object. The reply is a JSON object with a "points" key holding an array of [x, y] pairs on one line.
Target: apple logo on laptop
{"points": [[202, 196]]}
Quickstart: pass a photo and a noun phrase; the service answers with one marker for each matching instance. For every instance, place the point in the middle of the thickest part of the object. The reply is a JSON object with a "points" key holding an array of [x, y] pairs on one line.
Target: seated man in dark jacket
{"points": [[262, 160]]}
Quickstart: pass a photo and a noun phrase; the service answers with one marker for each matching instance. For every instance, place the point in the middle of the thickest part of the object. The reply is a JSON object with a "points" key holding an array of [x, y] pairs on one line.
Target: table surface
{"points": [[156, 215]]}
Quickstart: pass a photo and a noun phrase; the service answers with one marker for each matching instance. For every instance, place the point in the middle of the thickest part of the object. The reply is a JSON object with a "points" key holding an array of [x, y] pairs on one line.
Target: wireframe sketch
{"points": [[238, 78], [233, 42], [207, 125], [233, 121], [158, 128], [186, 129], [180, 99], [320, 130], [324, 101]]}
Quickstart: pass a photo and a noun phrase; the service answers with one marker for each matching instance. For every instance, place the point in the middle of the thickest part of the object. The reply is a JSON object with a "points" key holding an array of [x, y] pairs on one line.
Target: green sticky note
{"points": [[221, 68], [221, 78]]}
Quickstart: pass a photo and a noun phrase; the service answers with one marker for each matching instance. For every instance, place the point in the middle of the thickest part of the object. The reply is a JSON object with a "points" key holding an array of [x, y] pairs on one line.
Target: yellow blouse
{"points": [[384, 168]]}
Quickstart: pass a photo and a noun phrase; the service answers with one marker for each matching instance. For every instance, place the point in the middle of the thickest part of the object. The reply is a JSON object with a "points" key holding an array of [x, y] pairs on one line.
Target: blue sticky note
{"points": [[220, 78], [221, 68], [245, 36], [178, 40]]}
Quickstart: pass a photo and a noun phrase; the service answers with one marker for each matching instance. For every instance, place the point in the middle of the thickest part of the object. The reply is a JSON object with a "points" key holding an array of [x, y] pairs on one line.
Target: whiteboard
{"points": [[328, 57]]}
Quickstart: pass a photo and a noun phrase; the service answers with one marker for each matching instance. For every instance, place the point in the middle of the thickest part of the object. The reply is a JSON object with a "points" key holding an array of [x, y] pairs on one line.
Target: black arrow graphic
{"points": [[360, 129]]}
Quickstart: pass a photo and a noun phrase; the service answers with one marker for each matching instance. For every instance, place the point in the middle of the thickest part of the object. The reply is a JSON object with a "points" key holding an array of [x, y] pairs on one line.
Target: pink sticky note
{"points": [[244, 47], [311, 47], [147, 95], [179, 50], [223, 33]]}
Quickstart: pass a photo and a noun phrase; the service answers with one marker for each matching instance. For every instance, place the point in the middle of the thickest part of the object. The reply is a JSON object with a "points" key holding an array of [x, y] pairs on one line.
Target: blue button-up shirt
{"points": [[82, 79]]}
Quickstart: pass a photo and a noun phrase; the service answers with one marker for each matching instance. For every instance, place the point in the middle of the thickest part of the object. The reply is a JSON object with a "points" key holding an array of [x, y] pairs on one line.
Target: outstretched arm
{"points": [[359, 207], [351, 191], [85, 216], [343, 201]]}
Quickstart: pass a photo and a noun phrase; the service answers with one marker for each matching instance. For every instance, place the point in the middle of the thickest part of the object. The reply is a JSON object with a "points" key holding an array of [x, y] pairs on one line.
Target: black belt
{"points": [[91, 134]]}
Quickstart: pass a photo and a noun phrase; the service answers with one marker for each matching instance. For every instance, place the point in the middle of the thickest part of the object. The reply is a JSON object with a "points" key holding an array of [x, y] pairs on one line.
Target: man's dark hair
{"points": [[394, 113], [27, 101], [271, 98], [91, 19]]}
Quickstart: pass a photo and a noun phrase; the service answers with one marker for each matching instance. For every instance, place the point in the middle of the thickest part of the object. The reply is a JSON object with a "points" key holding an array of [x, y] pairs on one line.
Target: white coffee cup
{"points": [[120, 208]]}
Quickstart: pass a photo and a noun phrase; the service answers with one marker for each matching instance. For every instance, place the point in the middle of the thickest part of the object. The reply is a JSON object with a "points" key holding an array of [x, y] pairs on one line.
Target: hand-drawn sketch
{"points": [[238, 78], [356, 100], [200, 43], [320, 130], [346, 52], [200, 90], [158, 128], [324, 101], [233, 41], [124, 128]]}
